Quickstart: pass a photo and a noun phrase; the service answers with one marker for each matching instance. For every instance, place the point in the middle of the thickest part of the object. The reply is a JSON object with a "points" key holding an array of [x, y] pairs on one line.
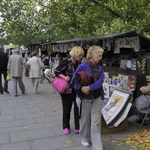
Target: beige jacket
{"points": [[35, 65]]}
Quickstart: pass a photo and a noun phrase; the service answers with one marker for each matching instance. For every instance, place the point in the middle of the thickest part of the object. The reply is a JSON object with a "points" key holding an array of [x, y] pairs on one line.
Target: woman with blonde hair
{"points": [[65, 70], [91, 98]]}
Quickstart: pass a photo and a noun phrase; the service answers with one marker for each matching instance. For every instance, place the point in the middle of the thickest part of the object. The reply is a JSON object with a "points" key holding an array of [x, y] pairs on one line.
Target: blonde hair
{"points": [[92, 50], [75, 51]]}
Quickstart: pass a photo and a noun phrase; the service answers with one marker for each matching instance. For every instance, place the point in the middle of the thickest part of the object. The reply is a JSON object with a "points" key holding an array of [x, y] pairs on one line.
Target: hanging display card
{"points": [[115, 106]]}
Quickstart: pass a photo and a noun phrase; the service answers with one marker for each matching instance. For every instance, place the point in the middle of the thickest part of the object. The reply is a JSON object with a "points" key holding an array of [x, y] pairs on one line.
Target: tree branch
{"points": [[110, 10]]}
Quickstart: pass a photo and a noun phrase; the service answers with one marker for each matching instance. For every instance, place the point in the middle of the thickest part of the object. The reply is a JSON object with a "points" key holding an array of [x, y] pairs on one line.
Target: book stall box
{"points": [[129, 77], [119, 86]]}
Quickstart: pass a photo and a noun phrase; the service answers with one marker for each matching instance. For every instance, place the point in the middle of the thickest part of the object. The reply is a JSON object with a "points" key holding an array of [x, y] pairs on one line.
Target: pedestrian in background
{"points": [[3, 71], [15, 67], [91, 99], [45, 60], [65, 70], [35, 66]]}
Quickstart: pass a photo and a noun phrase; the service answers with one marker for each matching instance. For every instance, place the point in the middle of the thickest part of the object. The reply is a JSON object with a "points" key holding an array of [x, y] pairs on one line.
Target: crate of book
{"points": [[105, 129]]}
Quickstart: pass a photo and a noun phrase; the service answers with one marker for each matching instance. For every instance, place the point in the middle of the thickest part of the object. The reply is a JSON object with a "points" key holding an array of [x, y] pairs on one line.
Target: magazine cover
{"points": [[133, 64], [105, 88], [123, 81], [128, 64], [106, 75], [111, 88], [126, 82], [131, 83], [115, 106], [114, 80], [106, 78]]}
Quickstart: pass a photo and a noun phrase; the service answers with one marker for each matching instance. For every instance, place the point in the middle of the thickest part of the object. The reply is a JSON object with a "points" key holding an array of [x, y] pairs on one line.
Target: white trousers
{"points": [[35, 84], [90, 126]]}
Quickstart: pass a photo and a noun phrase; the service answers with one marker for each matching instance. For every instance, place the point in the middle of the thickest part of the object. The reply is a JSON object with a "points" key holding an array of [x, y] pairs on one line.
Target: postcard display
{"points": [[121, 81]]}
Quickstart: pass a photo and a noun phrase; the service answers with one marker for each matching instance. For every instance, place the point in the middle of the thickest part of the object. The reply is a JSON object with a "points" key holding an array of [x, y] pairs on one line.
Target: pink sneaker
{"points": [[76, 131], [66, 131]]}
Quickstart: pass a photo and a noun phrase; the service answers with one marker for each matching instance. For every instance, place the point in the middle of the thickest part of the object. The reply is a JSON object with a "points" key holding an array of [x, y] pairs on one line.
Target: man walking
{"points": [[3, 71], [15, 67]]}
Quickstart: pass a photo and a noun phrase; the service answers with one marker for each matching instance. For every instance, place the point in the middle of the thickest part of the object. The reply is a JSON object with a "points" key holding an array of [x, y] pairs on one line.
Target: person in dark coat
{"points": [[45, 60], [3, 71]]}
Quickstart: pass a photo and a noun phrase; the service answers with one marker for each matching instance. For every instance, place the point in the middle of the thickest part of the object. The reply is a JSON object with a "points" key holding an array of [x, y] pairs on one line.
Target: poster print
{"points": [[114, 106]]}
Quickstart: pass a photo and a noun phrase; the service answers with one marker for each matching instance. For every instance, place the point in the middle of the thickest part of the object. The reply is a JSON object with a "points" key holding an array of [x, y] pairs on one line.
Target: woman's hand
{"points": [[67, 78], [85, 89]]}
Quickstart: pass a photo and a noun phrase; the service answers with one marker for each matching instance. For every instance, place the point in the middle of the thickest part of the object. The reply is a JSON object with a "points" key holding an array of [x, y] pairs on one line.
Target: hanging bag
{"points": [[61, 85], [27, 72], [8, 78]]}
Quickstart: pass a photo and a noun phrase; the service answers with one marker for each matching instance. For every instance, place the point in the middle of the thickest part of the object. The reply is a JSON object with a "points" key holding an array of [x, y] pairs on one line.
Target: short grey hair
{"points": [[16, 51]]}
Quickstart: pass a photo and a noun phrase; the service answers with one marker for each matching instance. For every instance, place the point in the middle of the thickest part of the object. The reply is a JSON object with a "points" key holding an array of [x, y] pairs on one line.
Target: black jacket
{"points": [[3, 61]]}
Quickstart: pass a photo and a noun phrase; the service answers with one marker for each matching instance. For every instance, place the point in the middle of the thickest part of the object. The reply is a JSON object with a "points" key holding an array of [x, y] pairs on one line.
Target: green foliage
{"points": [[31, 21]]}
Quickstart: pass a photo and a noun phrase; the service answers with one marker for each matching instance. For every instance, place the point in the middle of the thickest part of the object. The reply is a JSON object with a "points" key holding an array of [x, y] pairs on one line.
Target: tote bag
{"points": [[61, 85]]}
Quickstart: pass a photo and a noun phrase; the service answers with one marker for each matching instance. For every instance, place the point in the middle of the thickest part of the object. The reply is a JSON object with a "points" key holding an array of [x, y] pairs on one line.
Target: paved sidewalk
{"points": [[34, 122]]}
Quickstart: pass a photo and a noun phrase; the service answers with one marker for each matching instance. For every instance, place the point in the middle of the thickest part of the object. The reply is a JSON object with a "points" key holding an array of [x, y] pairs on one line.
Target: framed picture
{"points": [[114, 107]]}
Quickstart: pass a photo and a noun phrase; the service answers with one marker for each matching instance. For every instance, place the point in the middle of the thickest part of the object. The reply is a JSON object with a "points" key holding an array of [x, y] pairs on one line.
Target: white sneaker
{"points": [[85, 143]]}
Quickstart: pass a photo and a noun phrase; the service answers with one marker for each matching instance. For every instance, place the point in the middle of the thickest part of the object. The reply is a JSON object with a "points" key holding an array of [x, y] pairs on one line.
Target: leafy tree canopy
{"points": [[31, 21]]}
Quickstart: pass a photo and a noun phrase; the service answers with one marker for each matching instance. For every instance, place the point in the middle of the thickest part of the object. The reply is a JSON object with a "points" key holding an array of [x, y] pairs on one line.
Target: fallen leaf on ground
{"points": [[140, 140], [24, 128]]}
